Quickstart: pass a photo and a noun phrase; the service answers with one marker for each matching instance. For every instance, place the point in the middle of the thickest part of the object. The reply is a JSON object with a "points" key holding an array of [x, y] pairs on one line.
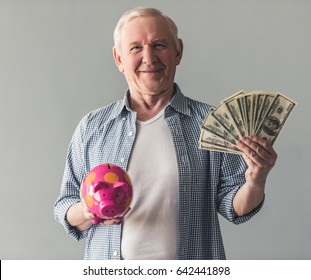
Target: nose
{"points": [[109, 211], [149, 56]]}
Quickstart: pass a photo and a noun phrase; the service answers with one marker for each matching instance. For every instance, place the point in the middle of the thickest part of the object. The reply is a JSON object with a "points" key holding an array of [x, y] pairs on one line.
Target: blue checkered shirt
{"points": [[208, 180]]}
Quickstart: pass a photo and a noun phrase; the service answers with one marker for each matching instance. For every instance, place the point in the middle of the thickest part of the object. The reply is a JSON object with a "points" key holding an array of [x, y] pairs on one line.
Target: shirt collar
{"points": [[178, 103], [121, 105]]}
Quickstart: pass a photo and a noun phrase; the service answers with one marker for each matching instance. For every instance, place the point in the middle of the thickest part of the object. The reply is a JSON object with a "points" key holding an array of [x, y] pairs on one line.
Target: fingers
{"points": [[258, 150], [117, 221], [90, 216]]}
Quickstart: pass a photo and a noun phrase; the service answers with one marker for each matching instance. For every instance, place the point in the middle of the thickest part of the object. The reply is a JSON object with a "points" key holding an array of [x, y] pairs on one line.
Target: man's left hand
{"points": [[259, 156]]}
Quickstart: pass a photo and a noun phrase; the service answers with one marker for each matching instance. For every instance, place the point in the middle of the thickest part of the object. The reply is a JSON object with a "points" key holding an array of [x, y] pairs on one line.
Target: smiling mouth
{"points": [[149, 71]]}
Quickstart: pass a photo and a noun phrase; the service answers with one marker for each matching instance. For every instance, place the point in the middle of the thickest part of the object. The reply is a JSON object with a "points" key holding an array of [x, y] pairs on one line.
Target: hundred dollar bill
{"points": [[212, 125], [242, 114], [207, 146], [248, 103], [254, 110], [211, 141], [265, 101], [256, 104], [233, 96], [223, 116], [275, 118], [240, 101], [236, 114]]}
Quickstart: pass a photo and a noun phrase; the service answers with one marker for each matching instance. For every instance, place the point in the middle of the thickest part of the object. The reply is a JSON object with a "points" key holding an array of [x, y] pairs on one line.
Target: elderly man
{"points": [[153, 133]]}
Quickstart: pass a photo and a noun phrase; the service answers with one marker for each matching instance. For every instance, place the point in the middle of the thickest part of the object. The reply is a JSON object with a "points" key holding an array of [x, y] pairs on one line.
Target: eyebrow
{"points": [[163, 41]]}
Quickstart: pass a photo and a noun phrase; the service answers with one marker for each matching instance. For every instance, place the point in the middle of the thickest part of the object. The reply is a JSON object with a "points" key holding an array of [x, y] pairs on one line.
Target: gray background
{"points": [[56, 65]]}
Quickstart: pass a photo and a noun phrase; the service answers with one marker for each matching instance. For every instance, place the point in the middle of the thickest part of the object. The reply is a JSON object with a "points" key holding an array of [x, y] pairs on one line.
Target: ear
{"points": [[180, 52], [118, 59], [121, 185], [100, 185]]}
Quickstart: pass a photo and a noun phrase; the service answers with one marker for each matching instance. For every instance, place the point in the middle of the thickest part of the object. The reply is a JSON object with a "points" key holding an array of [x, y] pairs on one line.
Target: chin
{"points": [[152, 89], [155, 87]]}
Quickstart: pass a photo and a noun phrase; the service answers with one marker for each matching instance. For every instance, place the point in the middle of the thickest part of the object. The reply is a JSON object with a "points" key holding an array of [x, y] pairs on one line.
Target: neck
{"points": [[148, 105]]}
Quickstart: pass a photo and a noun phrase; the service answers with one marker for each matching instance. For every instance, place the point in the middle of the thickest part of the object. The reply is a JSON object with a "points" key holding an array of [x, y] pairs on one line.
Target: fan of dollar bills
{"points": [[243, 114]]}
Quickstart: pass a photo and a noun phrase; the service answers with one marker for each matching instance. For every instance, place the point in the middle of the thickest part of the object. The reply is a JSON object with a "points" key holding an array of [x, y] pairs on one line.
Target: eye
{"points": [[159, 46], [135, 48]]}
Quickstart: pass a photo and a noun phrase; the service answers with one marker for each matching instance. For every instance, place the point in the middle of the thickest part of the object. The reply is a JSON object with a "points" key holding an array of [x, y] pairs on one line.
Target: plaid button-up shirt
{"points": [[208, 180]]}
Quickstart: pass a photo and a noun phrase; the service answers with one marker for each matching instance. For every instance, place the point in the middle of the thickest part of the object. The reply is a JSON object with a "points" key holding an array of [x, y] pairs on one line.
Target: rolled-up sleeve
{"points": [[231, 179], [73, 175]]}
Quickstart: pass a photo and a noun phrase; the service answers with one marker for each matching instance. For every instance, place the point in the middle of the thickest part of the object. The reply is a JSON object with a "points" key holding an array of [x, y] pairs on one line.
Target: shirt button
{"points": [[122, 159], [130, 133], [123, 119], [115, 253]]}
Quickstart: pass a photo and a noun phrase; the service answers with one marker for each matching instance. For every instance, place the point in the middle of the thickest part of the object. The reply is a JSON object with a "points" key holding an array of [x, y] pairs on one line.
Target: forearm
{"points": [[248, 198], [77, 219], [260, 158]]}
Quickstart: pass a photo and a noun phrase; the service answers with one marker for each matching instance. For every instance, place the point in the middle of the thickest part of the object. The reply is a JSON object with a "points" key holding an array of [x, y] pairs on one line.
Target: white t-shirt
{"points": [[150, 228]]}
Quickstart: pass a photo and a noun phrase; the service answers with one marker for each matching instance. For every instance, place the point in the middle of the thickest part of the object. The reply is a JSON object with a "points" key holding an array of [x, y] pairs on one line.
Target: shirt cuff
{"points": [[61, 216]]}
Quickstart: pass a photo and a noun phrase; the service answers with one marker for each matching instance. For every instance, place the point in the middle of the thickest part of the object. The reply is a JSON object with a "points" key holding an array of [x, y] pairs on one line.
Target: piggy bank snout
{"points": [[111, 205], [109, 210], [112, 198]]}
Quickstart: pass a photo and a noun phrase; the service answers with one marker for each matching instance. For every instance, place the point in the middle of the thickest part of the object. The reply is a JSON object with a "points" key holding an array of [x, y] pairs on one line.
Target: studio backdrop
{"points": [[56, 65]]}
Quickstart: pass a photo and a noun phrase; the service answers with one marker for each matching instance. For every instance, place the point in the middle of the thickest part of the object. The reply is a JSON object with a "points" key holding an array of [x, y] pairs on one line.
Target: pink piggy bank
{"points": [[107, 191]]}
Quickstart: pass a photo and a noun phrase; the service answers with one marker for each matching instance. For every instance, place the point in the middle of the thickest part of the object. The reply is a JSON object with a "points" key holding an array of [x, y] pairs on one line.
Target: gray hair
{"points": [[143, 12]]}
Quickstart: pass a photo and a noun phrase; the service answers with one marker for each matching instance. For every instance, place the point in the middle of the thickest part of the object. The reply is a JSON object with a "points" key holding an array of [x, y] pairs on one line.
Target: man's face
{"points": [[147, 56]]}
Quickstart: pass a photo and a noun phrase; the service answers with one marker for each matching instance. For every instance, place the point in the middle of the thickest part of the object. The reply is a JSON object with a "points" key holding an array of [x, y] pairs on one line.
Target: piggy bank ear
{"points": [[99, 186], [120, 185]]}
